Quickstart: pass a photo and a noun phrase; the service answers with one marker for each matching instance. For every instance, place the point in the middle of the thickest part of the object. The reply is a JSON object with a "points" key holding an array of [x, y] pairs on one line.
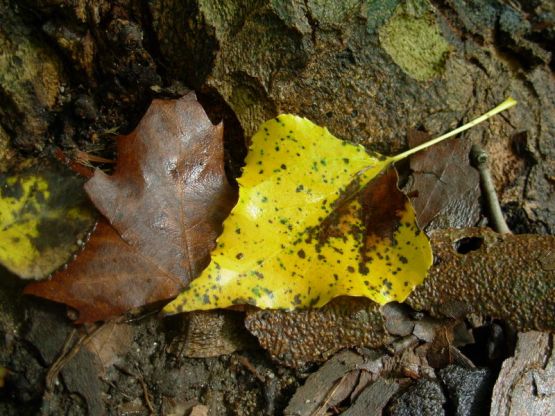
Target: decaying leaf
{"points": [[295, 338], [42, 215], [107, 278], [317, 218], [169, 193], [297, 238], [486, 273], [445, 185], [165, 204], [211, 334]]}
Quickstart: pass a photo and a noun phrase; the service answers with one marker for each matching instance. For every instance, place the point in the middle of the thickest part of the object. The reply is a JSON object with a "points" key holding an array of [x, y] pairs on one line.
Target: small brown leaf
{"points": [[165, 202], [169, 194], [447, 188]]}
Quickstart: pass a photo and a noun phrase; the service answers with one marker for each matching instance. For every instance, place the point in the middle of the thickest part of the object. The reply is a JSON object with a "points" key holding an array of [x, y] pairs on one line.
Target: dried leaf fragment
{"points": [[447, 186]]}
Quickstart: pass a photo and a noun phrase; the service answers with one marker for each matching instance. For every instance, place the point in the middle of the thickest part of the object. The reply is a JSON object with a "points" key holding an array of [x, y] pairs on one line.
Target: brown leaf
{"points": [[165, 202], [447, 188]]}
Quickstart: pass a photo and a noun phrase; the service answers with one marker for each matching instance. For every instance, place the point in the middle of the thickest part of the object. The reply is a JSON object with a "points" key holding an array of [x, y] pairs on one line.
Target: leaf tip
{"points": [[168, 310]]}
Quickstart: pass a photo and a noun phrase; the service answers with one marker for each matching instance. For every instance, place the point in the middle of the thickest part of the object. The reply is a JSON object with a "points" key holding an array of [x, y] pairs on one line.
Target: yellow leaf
{"points": [[315, 219], [42, 215]]}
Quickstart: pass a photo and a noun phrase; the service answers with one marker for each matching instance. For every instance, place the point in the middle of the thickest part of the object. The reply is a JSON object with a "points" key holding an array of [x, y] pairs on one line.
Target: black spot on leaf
{"points": [[363, 269]]}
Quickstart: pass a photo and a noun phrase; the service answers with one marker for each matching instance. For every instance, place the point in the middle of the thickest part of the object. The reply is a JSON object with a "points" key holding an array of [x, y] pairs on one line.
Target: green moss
{"points": [[414, 42]]}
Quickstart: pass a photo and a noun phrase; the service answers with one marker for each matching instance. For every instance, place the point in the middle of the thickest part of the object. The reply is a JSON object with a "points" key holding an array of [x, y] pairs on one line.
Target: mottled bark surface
{"points": [[74, 72]]}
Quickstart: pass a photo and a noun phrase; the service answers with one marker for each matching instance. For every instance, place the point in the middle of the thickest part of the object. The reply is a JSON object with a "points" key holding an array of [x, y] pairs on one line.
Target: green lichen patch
{"points": [[414, 42], [329, 13], [377, 12]]}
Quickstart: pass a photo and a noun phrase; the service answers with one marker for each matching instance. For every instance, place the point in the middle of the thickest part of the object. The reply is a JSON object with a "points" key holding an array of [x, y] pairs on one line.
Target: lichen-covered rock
{"points": [[79, 47], [73, 72], [413, 40], [7, 152]]}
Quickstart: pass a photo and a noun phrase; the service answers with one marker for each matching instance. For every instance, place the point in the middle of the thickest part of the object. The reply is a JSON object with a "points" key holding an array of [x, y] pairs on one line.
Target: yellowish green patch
{"points": [[413, 40]]}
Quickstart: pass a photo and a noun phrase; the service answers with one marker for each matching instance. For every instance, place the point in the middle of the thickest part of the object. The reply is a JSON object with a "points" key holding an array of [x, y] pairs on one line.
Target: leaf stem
{"points": [[508, 103]]}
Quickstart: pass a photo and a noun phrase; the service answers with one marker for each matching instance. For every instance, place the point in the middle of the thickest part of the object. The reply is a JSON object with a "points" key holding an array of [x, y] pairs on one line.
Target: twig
{"points": [[67, 353], [141, 317], [479, 159], [244, 361], [139, 377], [147, 395]]}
